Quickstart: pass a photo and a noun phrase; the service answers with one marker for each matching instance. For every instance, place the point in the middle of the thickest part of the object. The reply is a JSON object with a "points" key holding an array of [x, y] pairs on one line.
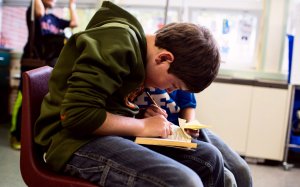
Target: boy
{"points": [[87, 123]]}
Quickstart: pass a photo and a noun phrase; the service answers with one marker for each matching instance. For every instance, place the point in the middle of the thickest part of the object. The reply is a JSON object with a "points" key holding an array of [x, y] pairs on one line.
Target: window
{"points": [[235, 24], [236, 33], [152, 18]]}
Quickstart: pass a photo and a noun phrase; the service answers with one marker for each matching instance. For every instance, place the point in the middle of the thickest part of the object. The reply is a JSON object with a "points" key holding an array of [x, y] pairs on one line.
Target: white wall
{"points": [[275, 34], [295, 74]]}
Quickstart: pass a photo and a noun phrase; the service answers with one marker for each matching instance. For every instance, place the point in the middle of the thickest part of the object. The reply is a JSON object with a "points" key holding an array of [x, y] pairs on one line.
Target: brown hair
{"points": [[196, 53]]}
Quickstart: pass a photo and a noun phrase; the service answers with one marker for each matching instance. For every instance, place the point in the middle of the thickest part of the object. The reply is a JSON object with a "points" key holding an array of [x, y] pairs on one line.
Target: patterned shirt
{"points": [[171, 102]]}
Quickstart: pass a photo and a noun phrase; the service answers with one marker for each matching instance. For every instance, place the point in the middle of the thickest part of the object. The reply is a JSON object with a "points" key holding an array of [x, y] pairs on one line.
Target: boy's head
{"points": [[195, 57]]}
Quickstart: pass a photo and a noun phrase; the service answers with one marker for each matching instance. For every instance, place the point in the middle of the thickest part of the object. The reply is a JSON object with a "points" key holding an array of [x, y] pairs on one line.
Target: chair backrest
{"points": [[34, 171]]}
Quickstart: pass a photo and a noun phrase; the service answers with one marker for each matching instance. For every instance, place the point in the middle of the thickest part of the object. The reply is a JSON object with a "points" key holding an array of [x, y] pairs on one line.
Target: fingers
{"points": [[153, 110], [167, 130], [192, 133], [171, 129], [162, 112], [157, 126], [149, 113], [159, 110]]}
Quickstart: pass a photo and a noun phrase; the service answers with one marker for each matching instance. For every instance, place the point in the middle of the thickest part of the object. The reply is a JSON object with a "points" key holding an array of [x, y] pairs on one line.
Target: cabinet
{"points": [[252, 118], [226, 108]]}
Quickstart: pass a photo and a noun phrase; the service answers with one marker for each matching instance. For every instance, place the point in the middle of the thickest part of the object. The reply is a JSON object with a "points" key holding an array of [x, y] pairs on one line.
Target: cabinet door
{"points": [[226, 108], [268, 123]]}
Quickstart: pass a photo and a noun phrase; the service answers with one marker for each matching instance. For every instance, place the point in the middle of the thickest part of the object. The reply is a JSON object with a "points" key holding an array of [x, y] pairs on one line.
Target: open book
{"points": [[179, 138]]}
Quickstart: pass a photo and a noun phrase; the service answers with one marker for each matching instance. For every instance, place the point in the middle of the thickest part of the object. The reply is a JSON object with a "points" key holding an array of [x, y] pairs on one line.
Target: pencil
{"points": [[152, 100], [155, 104]]}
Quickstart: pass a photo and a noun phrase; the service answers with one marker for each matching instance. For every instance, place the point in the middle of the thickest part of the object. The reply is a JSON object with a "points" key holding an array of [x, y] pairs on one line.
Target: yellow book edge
{"points": [[178, 139], [195, 124], [165, 142]]}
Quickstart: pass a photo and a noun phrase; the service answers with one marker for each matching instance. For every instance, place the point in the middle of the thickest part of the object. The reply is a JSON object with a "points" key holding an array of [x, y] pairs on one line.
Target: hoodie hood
{"points": [[109, 13]]}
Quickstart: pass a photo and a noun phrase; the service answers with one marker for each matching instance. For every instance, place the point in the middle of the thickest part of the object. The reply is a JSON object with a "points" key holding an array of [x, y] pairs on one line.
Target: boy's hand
{"points": [[153, 110], [157, 126], [193, 133]]}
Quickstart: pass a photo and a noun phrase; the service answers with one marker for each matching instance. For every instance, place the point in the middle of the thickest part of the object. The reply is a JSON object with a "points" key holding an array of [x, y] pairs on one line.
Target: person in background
{"points": [[87, 123], [182, 104], [49, 39]]}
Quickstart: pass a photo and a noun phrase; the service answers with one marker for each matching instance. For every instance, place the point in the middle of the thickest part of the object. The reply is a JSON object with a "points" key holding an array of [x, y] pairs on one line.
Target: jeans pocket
{"points": [[92, 174], [101, 171]]}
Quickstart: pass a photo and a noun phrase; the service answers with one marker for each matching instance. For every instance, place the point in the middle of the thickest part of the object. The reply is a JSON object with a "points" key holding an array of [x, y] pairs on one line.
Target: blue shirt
{"points": [[171, 102], [51, 24], [48, 38]]}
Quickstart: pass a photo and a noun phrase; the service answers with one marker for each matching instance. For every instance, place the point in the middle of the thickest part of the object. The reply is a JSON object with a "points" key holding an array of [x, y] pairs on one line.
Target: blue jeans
{"points": [[229, 178], [117, 161], [232, 161]]}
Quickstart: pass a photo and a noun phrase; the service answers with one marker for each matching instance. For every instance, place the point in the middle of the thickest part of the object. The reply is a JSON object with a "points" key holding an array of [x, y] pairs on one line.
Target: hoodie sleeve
{"points": [[106, 58]]}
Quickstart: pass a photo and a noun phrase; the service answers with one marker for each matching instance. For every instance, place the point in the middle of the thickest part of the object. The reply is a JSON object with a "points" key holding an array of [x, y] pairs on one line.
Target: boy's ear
{"points": [[164, 56]]}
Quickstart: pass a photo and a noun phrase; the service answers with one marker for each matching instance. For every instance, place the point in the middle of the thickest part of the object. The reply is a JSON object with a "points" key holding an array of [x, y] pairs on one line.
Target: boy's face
{"points": [[157, 73]]}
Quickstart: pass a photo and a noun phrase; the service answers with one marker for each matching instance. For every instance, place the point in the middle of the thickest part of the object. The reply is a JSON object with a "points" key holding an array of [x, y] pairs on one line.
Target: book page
{"points": [[194, 125], [178, 139], [179, 134]]}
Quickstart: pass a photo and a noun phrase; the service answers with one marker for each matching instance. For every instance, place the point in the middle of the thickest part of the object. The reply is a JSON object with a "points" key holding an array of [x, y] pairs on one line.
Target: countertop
{"points": [[253, 78]]}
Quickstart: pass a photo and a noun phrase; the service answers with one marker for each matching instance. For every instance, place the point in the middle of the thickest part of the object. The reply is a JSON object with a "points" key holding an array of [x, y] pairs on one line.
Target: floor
{"points": [[263, 175]]}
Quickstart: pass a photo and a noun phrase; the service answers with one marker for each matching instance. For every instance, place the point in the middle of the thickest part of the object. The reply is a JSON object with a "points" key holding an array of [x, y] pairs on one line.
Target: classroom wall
{"points": [[275, 33]]}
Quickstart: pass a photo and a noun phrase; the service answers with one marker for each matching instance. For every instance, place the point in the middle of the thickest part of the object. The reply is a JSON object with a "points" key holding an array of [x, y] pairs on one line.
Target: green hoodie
{"points": [[96, 70]]}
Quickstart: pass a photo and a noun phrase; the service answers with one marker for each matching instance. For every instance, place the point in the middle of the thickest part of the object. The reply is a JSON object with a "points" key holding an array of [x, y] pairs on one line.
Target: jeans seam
{"points": [[104, 175], [207, 164], [111, 164]]}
